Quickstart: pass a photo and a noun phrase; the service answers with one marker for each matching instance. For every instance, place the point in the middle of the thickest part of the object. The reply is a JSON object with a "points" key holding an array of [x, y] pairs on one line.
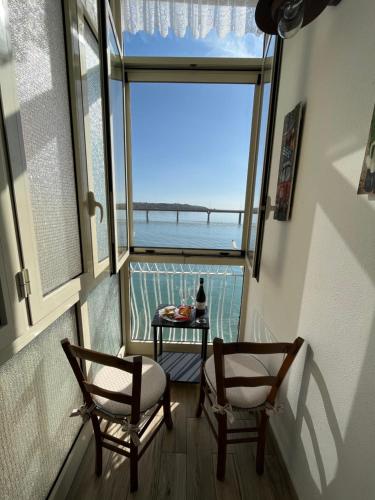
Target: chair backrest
{"points": [[221, 349], [134, 367]]}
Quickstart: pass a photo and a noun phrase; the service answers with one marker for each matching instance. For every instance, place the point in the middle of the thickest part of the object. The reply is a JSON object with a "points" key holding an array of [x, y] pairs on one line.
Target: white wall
{"points": [[318, 270]]}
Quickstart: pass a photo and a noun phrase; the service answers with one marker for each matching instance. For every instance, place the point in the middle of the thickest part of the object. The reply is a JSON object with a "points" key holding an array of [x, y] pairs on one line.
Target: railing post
{"points": [[146, 215], [208, 217], [178, 213], [239, 217]]}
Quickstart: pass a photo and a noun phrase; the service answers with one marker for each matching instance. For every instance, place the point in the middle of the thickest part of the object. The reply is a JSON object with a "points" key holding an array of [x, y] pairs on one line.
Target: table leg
{"points": [[155, 343], [160, 340], [204, 343]]}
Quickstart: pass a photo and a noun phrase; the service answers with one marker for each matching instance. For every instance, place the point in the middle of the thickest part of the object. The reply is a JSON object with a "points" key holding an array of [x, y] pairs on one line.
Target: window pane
{"points": [[37, 35], [92, 9], [260, 165], [105, 316], [38, 391], [212, 45], [94, 139], [155, 284], [190, 148], [116, 98]]}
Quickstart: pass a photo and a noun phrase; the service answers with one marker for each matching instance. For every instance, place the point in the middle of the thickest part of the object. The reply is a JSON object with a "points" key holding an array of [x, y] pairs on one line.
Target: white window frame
{"points": [[198, 70], [76, 17], [270, 74], [106, 22], [15, 308], [40, 306]]}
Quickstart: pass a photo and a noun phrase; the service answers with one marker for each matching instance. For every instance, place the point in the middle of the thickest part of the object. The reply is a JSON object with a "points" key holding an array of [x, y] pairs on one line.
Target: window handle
{"points": [[268, 208], [93, 204]]}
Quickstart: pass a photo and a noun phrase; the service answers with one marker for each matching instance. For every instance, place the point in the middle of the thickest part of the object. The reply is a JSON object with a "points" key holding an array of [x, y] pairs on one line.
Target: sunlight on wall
{"points": [[327, 296]]}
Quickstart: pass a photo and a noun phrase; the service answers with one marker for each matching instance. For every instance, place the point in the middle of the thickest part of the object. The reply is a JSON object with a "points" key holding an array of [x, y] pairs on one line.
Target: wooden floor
{"points": [[181, 464]]}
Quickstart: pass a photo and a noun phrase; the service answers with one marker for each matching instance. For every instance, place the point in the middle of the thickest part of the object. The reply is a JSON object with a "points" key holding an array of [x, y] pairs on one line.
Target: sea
{"points": [[191, 231]]}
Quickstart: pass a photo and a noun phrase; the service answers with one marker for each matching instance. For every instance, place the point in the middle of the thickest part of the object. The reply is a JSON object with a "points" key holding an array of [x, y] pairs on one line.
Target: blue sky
{"points": [[190, 142], [143, 44]]}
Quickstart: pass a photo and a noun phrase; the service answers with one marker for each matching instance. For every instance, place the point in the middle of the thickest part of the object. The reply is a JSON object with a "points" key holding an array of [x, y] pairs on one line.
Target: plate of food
{"points": [[176, 314]]}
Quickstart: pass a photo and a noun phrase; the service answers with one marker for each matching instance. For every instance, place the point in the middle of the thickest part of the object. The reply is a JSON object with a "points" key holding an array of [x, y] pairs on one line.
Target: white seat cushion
{"points": [[240, 365], [113, 379]]}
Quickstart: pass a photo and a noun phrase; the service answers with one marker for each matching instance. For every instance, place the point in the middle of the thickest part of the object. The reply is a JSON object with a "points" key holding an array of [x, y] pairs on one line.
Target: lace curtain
{"points": [[225, 16]]}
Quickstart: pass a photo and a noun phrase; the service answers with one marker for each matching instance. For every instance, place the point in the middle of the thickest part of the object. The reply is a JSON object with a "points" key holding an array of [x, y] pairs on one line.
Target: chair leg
{"points": [[261, 444], [167, 404], [133, 467], [98, 446], [202, 394], [221, 446]]}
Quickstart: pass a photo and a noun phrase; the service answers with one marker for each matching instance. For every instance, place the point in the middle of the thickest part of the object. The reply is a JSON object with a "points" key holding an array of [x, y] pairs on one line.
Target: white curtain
{"points": [[200, 16]]}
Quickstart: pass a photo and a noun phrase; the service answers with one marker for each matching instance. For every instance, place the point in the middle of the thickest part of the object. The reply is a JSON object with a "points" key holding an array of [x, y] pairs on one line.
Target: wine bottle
{"points": [[200, 301]]}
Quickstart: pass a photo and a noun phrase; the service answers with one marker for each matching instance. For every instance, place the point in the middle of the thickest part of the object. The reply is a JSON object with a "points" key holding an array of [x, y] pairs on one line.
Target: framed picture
{"points": [[367, 180], [287, 169]]}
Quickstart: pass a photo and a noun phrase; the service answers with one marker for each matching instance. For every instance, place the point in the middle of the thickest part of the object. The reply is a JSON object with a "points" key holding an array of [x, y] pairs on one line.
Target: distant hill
{"points": [[140, 205]]}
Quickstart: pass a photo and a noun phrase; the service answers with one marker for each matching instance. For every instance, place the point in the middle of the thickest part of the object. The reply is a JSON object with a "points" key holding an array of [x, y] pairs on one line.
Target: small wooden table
{"points": [[182, 366]]}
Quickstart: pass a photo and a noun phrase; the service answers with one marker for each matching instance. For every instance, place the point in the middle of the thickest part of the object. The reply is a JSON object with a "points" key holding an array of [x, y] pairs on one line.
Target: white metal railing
{"points": [[153, 284]]}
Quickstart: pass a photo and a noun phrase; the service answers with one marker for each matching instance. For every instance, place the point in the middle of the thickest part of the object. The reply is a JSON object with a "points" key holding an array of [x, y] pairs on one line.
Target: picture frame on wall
{"points": [[367, 179], [288, 163]]}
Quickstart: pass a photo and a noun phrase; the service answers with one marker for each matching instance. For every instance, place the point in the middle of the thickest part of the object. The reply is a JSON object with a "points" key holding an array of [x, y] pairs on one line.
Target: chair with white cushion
{"points": [[129, 391], [236, 377]]}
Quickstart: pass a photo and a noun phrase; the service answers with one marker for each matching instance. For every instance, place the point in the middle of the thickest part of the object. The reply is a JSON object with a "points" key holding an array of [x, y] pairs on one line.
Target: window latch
{"points": [[23, 282], [93, 204]]}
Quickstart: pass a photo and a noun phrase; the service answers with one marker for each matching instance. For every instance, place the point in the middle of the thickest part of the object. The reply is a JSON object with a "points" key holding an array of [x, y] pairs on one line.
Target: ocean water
{"points": [[192, 230]]}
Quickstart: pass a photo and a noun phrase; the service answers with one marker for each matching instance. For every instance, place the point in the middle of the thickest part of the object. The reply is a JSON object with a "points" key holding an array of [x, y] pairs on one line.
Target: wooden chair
{"points": [[121, 391], [236, 377]]}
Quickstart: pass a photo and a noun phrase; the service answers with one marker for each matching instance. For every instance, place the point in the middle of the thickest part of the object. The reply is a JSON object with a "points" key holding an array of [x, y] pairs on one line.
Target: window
{"points": [[104, 314], [261, 203], [259, 166], [190, 151], [42, 92], [94, 143], [191, 28], [39, 140], [143, 44], [115, 118]]}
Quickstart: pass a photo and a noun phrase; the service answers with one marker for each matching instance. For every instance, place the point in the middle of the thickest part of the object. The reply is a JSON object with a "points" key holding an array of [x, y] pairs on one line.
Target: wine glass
{"points": [[184, 295]]}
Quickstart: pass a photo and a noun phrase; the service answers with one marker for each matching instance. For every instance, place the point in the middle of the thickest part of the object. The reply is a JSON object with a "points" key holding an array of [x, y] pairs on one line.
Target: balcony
{"points": [[154, 283], [186, 105]]}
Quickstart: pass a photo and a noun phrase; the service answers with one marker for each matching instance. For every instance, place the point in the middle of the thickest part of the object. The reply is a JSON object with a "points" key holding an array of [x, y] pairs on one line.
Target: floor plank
{"points": [[230, 487], [183, 407], [200, 448], [172, 477]]}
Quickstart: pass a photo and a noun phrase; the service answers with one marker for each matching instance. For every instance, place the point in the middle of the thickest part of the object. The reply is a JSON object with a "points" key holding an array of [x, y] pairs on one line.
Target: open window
{"points": [[192, 148], [114, 109], [260, 203], [92, 116]]}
